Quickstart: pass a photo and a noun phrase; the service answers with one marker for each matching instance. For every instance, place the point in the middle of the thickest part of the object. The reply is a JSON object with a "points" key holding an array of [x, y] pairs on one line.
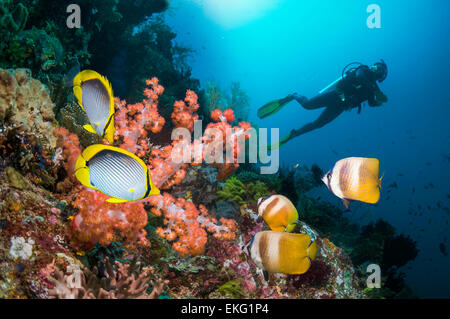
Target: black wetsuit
{"points": [[357, 86]]}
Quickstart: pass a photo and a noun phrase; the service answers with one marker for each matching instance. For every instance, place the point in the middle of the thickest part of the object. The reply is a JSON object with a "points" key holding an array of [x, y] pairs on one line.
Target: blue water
{"points": [[287, 46]]}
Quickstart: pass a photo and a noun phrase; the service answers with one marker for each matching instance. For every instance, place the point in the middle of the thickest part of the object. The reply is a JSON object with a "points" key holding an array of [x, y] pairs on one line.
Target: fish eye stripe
{"points": [[263, 200]]}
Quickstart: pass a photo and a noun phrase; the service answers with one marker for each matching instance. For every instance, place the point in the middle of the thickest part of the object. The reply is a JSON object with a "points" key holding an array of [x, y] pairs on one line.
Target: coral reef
{"points": [[61, 240], [25, 102], [121, 283]]}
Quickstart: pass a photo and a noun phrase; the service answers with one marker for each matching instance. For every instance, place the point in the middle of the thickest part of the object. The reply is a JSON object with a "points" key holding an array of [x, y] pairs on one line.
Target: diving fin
{"points": [[273, 106], [281, 142]]}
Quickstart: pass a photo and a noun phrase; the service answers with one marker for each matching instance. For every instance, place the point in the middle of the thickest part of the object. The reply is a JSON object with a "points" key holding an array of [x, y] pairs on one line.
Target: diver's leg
{"points": [[328, 115], [320, 100]]}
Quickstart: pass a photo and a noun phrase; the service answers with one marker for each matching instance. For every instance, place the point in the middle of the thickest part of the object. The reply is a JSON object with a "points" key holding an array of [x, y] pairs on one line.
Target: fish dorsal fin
{"points": [[77, 91], [92, 150]]}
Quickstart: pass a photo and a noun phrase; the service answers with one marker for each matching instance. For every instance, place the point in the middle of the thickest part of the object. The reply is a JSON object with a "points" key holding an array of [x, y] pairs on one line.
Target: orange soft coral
{"points": [[229, 141], [183, 114], [101, 222], [183, 221], [134, 121]]}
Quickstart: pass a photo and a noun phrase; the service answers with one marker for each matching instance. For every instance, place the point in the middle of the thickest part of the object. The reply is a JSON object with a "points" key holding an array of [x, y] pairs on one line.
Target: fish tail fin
{"points": [[153, 189], [379, 181], [109, 132]]}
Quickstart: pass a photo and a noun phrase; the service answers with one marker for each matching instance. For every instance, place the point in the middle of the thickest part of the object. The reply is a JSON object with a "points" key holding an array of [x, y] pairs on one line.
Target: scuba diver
{"points": [[357, 84]]}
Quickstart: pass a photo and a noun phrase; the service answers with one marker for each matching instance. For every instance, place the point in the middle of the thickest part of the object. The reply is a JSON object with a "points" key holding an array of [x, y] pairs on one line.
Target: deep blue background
{"points": [[301, 46]]}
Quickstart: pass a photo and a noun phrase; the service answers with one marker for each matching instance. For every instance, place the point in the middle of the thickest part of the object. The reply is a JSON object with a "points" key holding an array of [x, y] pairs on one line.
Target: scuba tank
{"points": [[344, 73]]}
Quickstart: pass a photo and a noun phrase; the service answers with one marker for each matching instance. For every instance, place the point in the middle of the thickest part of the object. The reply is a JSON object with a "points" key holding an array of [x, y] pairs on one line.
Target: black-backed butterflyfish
{"points": [[114, 172], [95, 96]]}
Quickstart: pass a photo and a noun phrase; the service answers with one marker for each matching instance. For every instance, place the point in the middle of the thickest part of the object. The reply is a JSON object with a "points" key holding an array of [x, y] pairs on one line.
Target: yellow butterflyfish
{"points": [[278, 212], [281, 252], [355, 178]]}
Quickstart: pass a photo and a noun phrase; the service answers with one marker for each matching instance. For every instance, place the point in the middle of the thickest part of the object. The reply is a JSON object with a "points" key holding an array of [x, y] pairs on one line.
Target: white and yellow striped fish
{"points": [[280, 252], [278, 212], [114, 172], [95, 96], [355, 178]]}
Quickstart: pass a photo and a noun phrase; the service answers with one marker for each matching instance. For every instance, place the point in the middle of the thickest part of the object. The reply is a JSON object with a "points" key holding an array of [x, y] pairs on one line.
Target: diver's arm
{"points": [[378, 97]]}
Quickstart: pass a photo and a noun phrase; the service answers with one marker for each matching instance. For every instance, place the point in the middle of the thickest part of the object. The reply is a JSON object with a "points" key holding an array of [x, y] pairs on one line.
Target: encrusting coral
{"points": [[25, 102]]}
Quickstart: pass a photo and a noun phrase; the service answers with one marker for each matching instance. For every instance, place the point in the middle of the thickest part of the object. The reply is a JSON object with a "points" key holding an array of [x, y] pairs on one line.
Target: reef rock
{"points": [[25, 102]]}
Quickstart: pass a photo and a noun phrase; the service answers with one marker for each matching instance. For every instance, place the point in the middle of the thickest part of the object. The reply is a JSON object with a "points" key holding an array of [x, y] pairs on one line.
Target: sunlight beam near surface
{"points": [[234, 13]]}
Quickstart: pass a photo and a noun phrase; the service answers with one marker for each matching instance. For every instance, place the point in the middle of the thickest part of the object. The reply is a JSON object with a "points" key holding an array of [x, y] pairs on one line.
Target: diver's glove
{"points": [[381, 97]]}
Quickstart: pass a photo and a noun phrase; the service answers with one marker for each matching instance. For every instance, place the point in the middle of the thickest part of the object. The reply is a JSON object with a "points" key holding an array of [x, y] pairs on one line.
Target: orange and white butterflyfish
{"points": [[114, 172], [355, 178], [95, 96], [278, 212], [281, 252]]}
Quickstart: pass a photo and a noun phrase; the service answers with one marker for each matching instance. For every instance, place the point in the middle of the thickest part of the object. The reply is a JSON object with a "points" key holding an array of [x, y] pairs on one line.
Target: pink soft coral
{"points": [[187, 225]]}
